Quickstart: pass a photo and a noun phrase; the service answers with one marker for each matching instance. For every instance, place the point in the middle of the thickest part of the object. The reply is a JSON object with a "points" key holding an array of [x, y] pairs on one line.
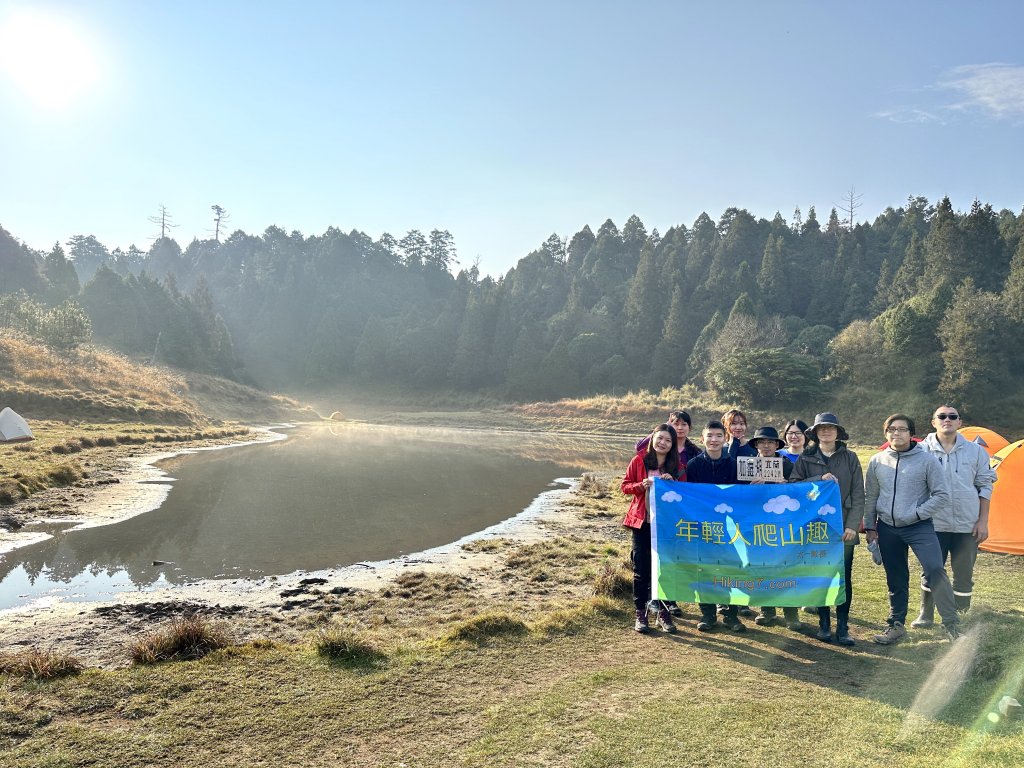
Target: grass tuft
{"points": [[345, 645], [189, 637], [485, 626], [39, 665], [613, 581]]}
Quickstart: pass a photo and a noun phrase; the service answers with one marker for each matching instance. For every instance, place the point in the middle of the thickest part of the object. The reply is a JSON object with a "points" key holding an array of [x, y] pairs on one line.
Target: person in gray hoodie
{"points": [[962, 524], [904, 487]]}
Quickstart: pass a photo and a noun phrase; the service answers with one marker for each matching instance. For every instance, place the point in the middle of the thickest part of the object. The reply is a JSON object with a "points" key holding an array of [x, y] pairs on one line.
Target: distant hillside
{"points": [[93, 384]]}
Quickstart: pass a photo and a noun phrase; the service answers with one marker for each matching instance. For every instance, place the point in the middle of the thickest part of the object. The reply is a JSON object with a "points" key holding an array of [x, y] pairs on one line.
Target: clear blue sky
{"points": [[501, 122]]}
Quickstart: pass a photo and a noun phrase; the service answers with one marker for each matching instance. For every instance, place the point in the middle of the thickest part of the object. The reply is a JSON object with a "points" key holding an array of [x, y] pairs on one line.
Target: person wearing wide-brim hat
{"points": [[826, 419], [826, 457], [766, 442]]}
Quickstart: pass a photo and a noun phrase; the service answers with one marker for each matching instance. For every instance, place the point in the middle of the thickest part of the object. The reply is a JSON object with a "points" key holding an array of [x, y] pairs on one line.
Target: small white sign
{"points": [[750, 468]]}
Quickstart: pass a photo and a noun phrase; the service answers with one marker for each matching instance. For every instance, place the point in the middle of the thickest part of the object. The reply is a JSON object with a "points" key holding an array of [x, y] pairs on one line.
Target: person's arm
{"points": [[854, 518], [871, 491], [633, 482], [938, 488]]}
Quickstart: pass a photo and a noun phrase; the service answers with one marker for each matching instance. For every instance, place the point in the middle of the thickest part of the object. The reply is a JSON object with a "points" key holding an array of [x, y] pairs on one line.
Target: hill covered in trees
{"points": [[922, 299]]}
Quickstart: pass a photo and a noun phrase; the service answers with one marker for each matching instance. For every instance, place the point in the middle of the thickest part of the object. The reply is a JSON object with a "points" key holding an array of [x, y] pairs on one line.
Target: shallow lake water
{"points": [[328, 496]]}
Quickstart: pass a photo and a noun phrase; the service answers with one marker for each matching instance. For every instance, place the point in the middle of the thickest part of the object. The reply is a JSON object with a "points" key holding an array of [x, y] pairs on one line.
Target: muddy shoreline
{"points": [[281, 608]]}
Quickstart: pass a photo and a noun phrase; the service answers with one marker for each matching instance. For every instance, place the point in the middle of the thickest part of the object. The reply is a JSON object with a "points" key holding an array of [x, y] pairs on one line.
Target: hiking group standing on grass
{"points": [[931, 497]]}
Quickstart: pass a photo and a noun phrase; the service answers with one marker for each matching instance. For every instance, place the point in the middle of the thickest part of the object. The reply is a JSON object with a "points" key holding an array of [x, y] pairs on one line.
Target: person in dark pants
{"points": [[826, 458], [904, 487], [716, 466], [962, 524], [660, 460]]}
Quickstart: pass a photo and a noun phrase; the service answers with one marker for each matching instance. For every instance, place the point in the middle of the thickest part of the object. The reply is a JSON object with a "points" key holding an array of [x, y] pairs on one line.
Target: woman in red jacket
{"points": [[660, 460]]}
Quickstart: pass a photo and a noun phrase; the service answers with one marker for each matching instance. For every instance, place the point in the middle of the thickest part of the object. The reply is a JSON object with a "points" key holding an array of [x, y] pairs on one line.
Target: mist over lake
{"points": [[328, 496]]}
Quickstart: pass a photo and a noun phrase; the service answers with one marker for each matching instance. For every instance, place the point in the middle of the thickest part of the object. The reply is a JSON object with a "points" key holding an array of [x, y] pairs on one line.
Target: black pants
{"points": [[842, 611], [641, 559]]}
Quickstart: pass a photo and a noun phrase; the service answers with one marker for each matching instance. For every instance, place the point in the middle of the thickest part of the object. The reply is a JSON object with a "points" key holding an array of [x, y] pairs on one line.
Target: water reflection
{"points": [[329, 496]]}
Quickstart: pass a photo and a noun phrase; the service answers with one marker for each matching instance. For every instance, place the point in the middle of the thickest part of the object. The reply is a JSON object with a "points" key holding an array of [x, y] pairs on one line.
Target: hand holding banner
{"points": [[777, 545]]}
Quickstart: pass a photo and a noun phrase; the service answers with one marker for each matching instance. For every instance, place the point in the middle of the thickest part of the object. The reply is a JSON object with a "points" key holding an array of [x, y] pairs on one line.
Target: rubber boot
{"points": [[963, 603], [926, 618], [843, 632], [824, 632], [793, 619]]}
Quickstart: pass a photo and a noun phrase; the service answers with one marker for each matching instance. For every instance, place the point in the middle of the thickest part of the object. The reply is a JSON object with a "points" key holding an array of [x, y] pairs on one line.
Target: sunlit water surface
{"points": [[324, 498]]}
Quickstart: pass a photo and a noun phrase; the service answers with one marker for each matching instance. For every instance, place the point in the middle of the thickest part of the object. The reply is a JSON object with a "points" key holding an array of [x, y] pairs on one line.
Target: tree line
{"points": [[759, 311]]}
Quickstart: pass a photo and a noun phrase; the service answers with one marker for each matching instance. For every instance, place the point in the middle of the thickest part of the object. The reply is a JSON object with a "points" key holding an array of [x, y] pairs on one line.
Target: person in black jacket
{"points": [[714, 465]]}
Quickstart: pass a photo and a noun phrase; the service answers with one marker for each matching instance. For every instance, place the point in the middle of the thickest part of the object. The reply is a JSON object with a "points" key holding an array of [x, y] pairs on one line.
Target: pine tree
{"points": [[668, 366]]}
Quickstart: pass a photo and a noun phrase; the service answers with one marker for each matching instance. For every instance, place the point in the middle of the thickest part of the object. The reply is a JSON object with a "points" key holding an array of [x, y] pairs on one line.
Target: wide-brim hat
{"points": [[768, 433], [829, 420]]}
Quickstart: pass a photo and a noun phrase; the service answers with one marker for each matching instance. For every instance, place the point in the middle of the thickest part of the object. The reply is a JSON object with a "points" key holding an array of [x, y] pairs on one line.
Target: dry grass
{"points": [[189, 637], [346, 646], [487, 626], [38, 664]]}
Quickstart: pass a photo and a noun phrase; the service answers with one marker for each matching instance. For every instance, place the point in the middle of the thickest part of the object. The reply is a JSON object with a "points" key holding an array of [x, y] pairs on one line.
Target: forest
{"points": [[924, 299]]}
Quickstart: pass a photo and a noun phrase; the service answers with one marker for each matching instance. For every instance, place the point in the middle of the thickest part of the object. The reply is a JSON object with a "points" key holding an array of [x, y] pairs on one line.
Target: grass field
{"points": [[443, 675]]}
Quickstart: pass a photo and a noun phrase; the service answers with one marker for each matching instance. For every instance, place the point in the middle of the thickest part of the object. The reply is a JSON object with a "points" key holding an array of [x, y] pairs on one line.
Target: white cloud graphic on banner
{"points": [[671, 496], [828, 509], [723, 509], [781, 504]]}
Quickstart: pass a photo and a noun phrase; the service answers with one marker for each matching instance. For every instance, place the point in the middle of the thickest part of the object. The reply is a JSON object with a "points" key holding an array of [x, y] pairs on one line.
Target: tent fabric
{"points": [[988, 439], [13, 428], [1005, 521]]}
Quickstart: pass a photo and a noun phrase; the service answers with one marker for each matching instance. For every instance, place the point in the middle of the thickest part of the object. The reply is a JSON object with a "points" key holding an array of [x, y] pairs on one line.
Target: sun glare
{"points": [[47, 57]]}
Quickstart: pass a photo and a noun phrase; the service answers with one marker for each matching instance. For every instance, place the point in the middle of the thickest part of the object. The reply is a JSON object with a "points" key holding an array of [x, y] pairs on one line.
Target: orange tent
{"points": [[991, 441], [1006, 520]]}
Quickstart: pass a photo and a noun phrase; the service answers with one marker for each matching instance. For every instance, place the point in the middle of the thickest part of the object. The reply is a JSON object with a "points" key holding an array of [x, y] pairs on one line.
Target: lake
{"points": [[326, 497]]}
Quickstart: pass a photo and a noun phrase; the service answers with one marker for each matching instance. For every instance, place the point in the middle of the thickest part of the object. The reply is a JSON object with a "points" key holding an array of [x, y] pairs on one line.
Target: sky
{"points": [[501, 122]]}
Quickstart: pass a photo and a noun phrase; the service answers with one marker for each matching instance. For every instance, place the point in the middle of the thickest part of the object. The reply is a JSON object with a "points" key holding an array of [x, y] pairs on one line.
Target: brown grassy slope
{"points": [[94, 384]]}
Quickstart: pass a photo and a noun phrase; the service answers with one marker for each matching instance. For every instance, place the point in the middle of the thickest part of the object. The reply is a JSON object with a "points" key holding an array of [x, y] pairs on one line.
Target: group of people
{"points": [[929, 496]]}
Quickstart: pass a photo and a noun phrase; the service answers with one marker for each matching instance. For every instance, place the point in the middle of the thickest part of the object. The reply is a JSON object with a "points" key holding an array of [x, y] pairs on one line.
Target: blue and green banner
{"points": [[766, 544]]}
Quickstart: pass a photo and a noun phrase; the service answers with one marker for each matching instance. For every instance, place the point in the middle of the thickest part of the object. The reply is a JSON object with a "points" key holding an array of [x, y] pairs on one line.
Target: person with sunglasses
{"points": [[904, 487], [962, 524]]}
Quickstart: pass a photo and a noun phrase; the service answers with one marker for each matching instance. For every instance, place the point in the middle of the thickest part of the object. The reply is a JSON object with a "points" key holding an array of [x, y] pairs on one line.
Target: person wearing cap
{"points": [[826, 458], [904, 488], [962, 524], [767, 443]]}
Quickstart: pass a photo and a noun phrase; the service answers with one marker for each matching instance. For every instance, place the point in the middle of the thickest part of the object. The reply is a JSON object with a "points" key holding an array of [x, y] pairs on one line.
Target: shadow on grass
{"points": [[959, 683]]}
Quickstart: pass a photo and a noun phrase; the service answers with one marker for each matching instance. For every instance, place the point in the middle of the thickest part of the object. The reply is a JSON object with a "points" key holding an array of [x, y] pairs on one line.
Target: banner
{"points": [[766, 544]]}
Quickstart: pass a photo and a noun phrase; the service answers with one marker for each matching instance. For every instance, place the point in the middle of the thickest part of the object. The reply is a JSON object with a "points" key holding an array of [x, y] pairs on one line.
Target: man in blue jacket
{"points": [[904, 487]]}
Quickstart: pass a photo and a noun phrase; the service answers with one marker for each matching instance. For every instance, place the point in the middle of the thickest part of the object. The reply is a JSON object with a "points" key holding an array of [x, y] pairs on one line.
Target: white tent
{"points": [[13, 428]]}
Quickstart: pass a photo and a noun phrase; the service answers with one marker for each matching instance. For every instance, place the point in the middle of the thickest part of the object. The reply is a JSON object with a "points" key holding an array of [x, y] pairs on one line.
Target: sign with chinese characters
{"points": [[752, 467], [759, 544]]}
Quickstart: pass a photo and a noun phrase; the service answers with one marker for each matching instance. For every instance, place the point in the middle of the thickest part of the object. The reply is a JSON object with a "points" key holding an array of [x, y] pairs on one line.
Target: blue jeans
{"points": [[893, 543]]}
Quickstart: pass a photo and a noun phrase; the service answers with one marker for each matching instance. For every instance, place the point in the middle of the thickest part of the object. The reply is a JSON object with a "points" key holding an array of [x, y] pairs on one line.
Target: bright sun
{"points": [[47, 57]]}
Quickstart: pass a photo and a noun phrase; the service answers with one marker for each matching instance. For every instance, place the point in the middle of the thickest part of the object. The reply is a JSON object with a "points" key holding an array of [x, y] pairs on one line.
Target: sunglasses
{"points": [[947, 416]]}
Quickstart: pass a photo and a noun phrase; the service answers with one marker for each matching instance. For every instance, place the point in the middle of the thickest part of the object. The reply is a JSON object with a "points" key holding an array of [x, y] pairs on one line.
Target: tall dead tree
{"points": [[163, 218], [219, 216], [849, 206]]}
